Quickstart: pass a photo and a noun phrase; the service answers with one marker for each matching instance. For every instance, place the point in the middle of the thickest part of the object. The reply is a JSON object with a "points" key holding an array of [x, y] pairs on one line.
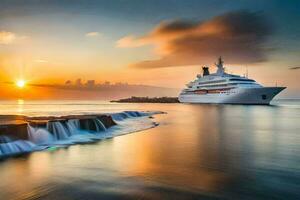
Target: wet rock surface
{"points": [[16, 127], [15, 131]]}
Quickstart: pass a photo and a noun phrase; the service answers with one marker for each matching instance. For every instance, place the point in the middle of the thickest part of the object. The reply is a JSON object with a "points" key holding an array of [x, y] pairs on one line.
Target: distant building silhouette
{"points": [[90, 83], [78, 82]]}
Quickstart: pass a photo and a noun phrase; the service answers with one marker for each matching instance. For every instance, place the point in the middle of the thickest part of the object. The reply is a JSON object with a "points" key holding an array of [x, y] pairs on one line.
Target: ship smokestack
{"points": [[205, 71]]}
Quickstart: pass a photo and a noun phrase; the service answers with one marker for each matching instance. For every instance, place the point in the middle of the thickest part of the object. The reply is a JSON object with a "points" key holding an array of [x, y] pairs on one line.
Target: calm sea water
{"points": [[196, 152]]}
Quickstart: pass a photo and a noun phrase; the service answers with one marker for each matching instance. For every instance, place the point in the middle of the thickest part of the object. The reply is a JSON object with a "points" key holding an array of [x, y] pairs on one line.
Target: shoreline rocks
{"points": [[16, 127], [134, 99]]}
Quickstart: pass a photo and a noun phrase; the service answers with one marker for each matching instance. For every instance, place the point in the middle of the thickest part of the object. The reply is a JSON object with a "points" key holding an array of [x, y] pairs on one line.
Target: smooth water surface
{"points": [[197, 151]]}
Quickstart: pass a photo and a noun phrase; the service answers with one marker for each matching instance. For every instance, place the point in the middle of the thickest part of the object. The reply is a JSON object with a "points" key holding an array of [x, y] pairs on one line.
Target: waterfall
{"points": [[4, 139], [128, 114], [131, 113], [120, 116], [135, 113], [11, 147], [99, 125], [39, 135], [58, 130], [23, 145], [73, 126], [61, 131], [92, 125], [8, 148]]}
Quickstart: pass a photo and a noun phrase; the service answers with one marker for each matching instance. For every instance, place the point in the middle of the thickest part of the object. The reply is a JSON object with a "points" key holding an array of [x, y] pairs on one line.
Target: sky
{"points": [[139, 42]]}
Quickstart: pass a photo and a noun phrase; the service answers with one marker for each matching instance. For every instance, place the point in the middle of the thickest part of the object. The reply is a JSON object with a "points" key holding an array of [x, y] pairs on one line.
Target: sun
{"points": [[20, 83]]}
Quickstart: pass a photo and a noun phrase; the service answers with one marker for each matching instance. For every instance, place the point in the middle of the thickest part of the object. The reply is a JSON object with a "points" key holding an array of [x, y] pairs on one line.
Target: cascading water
{"points": [[63, 130], [72, 131], [5, 139], [10, 147], [132, 114], [128, 114], [92, 125], [99, 125], [59, 131], [73, 126], [39, 135]]}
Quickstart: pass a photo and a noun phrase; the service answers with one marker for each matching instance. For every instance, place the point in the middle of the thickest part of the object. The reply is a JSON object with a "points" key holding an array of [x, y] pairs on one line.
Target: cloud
{"points": [[293, 68], [130, 42], [40, 61], [7, 37], [92, 34], [239, 36]]}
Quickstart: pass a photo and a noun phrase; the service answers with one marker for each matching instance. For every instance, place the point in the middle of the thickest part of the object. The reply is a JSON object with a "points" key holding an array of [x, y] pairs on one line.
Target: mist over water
{"points": [[197, 151]]}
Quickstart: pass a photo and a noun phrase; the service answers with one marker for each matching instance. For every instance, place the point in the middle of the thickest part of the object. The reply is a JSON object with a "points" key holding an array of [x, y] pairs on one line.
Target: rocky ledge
{"points": [[147, 100], [16, 127]]}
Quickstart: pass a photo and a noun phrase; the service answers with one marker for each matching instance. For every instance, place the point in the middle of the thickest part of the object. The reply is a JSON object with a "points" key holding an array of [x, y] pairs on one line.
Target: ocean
{"points": [[187, 152]]}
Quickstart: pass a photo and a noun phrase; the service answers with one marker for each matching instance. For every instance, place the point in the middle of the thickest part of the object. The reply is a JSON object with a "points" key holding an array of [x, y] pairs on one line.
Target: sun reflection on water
{"points": [[20, 107]]}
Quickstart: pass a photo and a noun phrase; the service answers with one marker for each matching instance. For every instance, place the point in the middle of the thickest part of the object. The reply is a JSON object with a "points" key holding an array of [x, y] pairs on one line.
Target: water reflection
{"points": [[232, 152], [20, 109]]}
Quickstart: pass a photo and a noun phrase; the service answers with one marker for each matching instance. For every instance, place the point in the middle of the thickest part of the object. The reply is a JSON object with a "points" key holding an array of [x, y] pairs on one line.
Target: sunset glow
{"points": [[152, 99], [20, 83], [161, 48]]}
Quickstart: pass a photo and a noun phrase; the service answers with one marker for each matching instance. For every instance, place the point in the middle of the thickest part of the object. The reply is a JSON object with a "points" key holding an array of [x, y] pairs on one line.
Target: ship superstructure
{"points": [[221, 87]]}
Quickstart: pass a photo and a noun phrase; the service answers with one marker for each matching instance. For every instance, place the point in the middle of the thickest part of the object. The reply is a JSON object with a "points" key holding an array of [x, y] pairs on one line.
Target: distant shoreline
{"points": [[147, 100]]}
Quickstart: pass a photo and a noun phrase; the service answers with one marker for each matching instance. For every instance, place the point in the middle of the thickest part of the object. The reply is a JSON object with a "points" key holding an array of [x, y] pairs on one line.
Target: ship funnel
{"points": [[205, 71]]}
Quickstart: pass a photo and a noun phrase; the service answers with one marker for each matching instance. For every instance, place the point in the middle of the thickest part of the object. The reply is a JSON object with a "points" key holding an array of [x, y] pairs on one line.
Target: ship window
{"points": [[264, 97], [207, 82], [242, 83], [238, 79]]}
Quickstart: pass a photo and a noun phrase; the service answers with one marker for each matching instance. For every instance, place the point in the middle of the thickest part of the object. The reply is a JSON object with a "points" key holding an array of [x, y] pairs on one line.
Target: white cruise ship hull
{"points": [[262, 95]]}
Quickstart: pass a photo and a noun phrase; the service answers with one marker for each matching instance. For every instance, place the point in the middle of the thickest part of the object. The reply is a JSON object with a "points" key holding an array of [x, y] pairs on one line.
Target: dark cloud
{"points": [[174, 26], [293, 68], [240, 37]]}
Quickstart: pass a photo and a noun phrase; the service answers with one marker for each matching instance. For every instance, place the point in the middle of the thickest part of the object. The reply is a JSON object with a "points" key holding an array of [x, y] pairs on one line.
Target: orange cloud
{"points": [[239, 37], [92, 34], [40, 61], [131, 42], [7, 37]]}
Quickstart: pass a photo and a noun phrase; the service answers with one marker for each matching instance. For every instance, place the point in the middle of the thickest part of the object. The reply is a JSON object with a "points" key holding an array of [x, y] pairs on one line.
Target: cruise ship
{"points": [[224, 88]]}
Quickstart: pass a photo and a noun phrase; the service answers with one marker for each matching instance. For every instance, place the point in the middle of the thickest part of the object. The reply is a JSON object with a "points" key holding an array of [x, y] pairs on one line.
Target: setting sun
{"points": [[20, 83]]}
